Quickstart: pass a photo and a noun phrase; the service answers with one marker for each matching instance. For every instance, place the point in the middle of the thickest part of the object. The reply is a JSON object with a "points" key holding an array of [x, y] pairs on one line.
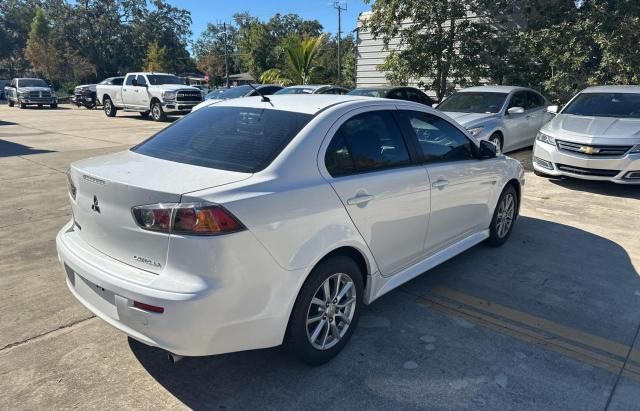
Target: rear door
{"points": [[460, 183], [537, 111], [369, 165]]}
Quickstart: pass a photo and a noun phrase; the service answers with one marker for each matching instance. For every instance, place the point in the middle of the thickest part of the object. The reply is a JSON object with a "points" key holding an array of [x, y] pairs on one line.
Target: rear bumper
{"points": [[548, 159], [203, 314]]}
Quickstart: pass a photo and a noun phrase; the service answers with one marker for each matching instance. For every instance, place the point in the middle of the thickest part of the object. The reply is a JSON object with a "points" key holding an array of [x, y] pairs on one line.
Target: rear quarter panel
{"points": [[114, 93]]}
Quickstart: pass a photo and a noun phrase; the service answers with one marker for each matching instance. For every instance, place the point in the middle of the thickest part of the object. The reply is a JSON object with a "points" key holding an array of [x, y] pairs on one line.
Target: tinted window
{"points": [[368, 92], [130, 80], [373, 141], [473, 102], [269, 90], [417, 96], [32, 82], [141, 81], [334, 90], [605, 105], [534, 100], [438, 139], [117, 81], [296, 90], [398, 94], [238, 91], [229, 138], [519, 99], [338, 158]]}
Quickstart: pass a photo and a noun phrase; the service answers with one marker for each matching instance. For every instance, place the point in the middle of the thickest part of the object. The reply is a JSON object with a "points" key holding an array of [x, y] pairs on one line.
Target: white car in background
{"points": [[253, 221], [510, 117], [244, 90], [596, 136]]}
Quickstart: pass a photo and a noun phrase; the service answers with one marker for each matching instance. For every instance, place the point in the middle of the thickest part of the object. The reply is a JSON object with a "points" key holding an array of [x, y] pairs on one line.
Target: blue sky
{"points": [[218, 11]]}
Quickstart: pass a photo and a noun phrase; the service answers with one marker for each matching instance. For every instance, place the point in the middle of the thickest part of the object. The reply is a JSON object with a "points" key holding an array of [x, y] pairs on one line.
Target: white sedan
{"points": [[252, 221]]}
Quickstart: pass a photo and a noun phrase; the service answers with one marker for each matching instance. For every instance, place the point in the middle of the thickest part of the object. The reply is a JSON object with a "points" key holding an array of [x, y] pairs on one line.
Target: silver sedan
{"points": [[510, 117]]}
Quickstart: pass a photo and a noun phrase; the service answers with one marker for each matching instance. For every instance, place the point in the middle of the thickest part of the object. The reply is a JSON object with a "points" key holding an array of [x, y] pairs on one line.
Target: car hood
{"points": [[173, 87], [28, 89], [469, 119], [83, 86], [590, 129]]}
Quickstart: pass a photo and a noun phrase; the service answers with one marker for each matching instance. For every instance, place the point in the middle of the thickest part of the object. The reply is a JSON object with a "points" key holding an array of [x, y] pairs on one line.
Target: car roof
{"points": [[306, 104], [612, 89], [494, 89]]}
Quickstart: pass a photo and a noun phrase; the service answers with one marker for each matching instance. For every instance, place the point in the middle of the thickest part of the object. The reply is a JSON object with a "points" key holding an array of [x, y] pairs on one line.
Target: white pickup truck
{"points": [[158, 94]]}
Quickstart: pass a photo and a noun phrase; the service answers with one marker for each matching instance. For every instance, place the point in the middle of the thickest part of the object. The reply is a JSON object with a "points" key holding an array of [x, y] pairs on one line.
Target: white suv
{"points": [[594, 137], [260, 219]]}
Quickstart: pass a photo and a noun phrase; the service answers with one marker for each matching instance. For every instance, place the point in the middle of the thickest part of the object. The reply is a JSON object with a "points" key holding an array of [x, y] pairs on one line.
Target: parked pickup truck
{"points": [[30, 91], [158, 94], [85, 94]]}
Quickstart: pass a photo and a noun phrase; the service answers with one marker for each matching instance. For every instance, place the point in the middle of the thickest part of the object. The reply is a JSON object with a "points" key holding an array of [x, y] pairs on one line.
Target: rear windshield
{"points": [[295, 90], [605, 105], [228, 138], [368, 92]]}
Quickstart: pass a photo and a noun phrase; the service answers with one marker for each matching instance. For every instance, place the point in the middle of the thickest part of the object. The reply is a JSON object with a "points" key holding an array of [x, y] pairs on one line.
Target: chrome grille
{"points": [[189, 96], [593, 150]]}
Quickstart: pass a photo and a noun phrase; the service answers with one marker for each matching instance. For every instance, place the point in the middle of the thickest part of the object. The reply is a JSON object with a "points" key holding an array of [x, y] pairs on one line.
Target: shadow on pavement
{"points": [[10, 149], [546, 269], [599, 187], [7, 123]]}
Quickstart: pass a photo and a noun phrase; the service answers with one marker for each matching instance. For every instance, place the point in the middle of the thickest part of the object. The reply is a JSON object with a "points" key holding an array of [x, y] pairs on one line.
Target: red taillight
{"points": [[188, 218], [148, 307]]}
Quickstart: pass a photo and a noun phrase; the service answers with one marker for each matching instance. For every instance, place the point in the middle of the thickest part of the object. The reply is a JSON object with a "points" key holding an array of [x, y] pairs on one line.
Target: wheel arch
{"points": [[517, 186]]}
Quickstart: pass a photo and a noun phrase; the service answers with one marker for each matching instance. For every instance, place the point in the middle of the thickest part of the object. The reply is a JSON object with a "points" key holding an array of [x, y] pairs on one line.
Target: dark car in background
{"points": [[313, 89], [396, 93], [3, 84], [85, 95]]}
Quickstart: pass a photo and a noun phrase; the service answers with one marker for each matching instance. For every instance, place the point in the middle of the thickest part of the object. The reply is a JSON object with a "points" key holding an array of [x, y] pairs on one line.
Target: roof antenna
{"points": [[264, 98]]}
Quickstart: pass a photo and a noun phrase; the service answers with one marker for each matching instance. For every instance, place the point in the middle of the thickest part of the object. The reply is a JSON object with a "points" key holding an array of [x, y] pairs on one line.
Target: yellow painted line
{"points": [[551, 343], [572, 334]]}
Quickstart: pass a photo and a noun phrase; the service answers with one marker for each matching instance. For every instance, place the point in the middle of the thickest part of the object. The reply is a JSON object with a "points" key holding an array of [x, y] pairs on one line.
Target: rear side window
{"points": [[366, 142], [228, 138], [117, 81], [439, 140]]}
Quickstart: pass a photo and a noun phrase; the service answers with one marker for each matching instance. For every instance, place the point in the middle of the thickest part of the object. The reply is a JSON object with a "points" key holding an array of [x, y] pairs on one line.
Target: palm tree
{"points": [[301, 66]]}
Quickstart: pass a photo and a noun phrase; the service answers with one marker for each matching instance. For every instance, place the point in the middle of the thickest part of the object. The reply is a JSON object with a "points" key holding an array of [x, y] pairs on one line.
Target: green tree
{"points": [[156, 59], [301, 62], [40, 51]]}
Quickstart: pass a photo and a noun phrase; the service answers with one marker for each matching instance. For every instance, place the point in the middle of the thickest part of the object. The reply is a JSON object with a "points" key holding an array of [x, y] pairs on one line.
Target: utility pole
{"points": [[340, 6], [226, 56]]}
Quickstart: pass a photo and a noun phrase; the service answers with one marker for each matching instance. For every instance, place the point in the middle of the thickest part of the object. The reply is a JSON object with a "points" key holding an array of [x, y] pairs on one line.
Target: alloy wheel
{"points": [[331, 310], [506, 212], [155, 112], [107, 106]]}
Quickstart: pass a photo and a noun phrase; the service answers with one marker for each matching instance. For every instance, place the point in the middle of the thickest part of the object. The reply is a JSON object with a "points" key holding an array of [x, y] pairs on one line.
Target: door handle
{"points": [[360, 199], [442, 183]]}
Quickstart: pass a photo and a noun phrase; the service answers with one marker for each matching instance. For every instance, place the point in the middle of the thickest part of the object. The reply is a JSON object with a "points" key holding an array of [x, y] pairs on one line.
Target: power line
{"points": [[340, 5]]}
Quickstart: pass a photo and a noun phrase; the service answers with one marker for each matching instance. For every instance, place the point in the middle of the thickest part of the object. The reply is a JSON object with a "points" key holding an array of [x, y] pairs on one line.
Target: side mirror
{"points": [[134, 83], [553, 109], [435, 105], [488, 150], [515, 110]]}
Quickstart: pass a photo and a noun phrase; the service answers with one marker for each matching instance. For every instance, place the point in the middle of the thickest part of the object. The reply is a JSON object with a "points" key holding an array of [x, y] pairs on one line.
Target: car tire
{"points": [[157, 113], [39, 105], [109, 109], [22, 105], [496, 139], [504, 217], [10, 103], [144, 114], [321, 325], [55, 105]]}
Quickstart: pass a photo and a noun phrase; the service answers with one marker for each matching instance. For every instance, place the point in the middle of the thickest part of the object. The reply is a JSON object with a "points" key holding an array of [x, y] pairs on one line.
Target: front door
{"points": [[517, 125], [460, 183], [140, 93], [386, 195]]}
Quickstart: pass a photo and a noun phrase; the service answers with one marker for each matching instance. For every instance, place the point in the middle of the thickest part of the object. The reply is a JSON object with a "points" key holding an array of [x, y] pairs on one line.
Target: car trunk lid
{"points": [[108, 187]]}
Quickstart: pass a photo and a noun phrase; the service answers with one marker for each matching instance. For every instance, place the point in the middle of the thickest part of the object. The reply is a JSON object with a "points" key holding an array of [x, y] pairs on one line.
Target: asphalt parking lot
{"points": [[548, 321]]}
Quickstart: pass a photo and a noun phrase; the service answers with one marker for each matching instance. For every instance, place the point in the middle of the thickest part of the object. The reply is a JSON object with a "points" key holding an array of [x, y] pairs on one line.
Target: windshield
{"points": [[214, 94], [605, 105], [32, 82], [296, 90], [158, 79], [474, 102], [368, 92], [229, 138], [234, 92]]}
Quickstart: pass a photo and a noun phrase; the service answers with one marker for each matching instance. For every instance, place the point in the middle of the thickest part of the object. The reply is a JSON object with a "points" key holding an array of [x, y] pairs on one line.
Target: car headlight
{"points": [[169, 95], [475, 131], [546, 138]]}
